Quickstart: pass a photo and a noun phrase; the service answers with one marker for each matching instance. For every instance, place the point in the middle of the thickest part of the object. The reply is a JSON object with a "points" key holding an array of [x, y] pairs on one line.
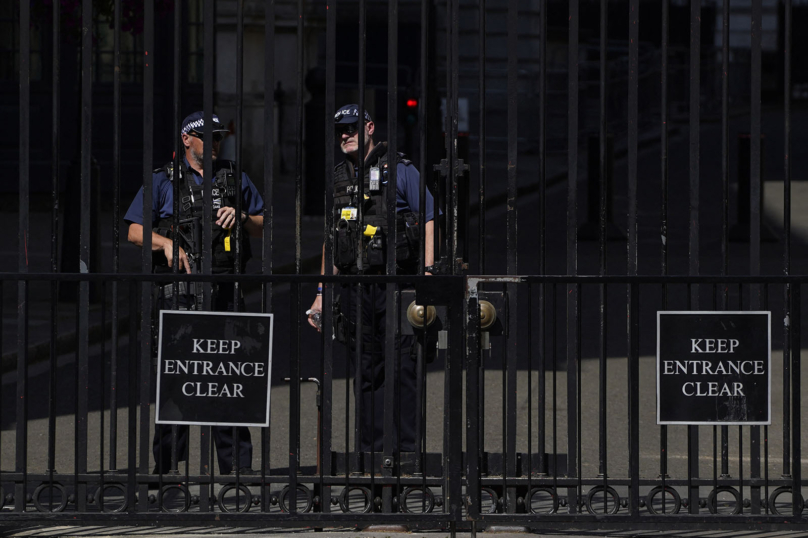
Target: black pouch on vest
{"points": [[408, 238], [345, 251], [375, 250]]}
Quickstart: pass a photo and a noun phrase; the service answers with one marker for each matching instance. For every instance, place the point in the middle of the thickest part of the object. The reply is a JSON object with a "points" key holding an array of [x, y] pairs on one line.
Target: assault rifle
{"points": [[189, 234]]}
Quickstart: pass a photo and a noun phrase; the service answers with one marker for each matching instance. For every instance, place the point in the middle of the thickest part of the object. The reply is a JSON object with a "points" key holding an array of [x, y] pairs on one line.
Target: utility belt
{"points": [[374, 243], [345, 333], [187, 290], [189, 298]]}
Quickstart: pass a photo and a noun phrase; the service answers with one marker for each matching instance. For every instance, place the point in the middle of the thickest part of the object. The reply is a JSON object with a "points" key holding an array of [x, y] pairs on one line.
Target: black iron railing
{"points": [[535, 410]]}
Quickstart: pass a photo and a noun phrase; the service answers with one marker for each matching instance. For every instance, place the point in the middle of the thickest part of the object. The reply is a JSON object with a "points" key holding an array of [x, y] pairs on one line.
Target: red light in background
{"points": [[412, 103]]}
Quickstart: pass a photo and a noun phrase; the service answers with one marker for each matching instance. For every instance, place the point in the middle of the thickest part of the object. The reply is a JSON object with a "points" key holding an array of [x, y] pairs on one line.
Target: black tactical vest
{"points": [[347, 233], [223, 194]]}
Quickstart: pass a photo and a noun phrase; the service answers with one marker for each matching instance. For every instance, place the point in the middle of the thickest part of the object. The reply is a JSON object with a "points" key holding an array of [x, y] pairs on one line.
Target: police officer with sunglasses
{"points": [[360, 248]]}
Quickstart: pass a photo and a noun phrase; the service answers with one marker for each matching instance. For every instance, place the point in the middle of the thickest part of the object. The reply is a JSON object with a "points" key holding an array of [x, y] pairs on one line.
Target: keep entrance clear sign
{"points": [[213, 368], [714, 368]]}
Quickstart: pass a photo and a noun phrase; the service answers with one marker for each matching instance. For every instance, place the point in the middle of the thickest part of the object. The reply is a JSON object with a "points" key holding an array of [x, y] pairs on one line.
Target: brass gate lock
{"points": [[415, 315], [488, 314]]}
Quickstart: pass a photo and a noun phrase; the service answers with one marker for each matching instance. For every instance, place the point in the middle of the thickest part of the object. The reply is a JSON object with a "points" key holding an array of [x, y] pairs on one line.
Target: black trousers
{"points": [[369, 391], [222, 435]]}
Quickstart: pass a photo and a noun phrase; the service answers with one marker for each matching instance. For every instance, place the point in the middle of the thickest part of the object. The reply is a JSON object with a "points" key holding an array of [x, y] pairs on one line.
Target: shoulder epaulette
{"points": [[402, 158]]}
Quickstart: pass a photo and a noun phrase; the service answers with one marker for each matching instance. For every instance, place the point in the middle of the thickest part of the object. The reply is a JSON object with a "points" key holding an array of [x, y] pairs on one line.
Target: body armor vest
{"points": [[374, 225], [223, 194]]}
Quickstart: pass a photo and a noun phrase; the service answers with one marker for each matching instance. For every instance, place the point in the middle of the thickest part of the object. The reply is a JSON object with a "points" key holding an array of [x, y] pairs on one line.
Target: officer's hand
{"points": [[316, 306], [168, 249], [226, 217]]}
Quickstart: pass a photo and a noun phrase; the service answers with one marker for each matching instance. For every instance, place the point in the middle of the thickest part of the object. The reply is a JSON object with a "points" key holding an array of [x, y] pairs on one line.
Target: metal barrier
{"points": [[577, 441], [81, 446]]}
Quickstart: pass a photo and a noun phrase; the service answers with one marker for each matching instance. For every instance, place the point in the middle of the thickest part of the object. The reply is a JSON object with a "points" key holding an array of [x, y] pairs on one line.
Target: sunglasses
{"points": [[217, 137], [346, 128]]}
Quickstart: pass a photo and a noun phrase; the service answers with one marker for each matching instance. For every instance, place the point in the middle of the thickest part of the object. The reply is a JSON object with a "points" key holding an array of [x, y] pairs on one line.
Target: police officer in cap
{"points": [[372, 230], [192, 206]]}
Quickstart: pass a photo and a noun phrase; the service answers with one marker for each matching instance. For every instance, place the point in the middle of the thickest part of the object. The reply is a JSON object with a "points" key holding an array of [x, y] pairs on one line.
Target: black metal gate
{"points": [[534, 394]]}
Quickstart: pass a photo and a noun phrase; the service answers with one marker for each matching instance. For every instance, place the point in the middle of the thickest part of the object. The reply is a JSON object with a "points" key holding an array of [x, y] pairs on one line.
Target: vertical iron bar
{"points": [[663, 158], [237, 227], [239, 145], [448, 141], [473, 438], [175, 218], [424, 167], [481, 96], [361, 219], [116, 235], [602, 367], [328, 289], [294, 409], [205, 466], [455, 171], [361, 151], [22, 256], [725, 194], [693, 251], [725, 142], [579, 397], [84, 251], [176, 209], [634, 394], [663, 133], [766, 428], [572, 253], [513, 59], [634, 292], [542, 247], [54, 313], [454, 456], [134, 341], [529, 387], [76, 390], [146, 291], [796, 356], [787, 240], [740, 467], [391, 356], [554, 352], [374, 351], [505, 422], [512, 246], [422, 136], [207, 155], [756, 188], [102, 374], [754, 164], [266, 241], [695, 94]]}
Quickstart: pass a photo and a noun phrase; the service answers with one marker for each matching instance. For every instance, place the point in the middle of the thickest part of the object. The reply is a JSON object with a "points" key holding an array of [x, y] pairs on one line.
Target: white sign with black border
{"points": [[214, 368]]}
